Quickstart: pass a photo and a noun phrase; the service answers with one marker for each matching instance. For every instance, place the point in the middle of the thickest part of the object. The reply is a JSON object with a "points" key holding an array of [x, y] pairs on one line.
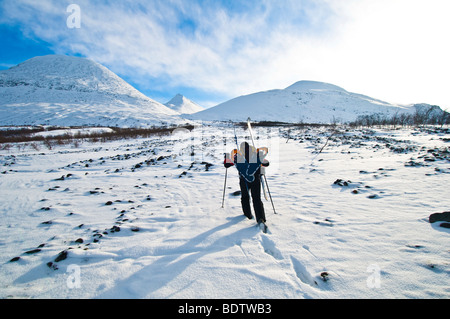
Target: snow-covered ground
{"points": [[143, 218]]}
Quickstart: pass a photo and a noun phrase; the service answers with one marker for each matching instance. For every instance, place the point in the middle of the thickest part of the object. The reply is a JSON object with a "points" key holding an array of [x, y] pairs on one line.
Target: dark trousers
{"points": [[255, 189]]}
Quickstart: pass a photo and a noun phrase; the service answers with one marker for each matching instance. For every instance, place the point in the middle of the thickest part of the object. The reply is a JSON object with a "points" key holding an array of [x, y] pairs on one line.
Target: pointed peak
{"points": [[182, 104]]}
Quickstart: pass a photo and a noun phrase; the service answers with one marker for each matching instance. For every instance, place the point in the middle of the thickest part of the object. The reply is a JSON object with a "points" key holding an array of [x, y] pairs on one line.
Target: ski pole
{"points": [[225, 183], [224, 186], [268, 190]]}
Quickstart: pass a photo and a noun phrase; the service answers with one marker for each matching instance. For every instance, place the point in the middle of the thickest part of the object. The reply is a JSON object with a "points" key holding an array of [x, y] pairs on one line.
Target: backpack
{"points": [[248, 160]]}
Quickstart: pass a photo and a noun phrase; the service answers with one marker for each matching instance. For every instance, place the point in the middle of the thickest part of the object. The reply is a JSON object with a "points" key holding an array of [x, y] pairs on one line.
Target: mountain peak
{"points": [[183, 105], [314, 85], [65, 90], [68, 73], [178, 99]]}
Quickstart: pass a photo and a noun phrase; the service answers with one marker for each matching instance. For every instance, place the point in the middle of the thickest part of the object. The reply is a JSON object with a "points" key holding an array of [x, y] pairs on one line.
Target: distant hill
{"points": [[183, 105], [73, 91], [302, 102]]}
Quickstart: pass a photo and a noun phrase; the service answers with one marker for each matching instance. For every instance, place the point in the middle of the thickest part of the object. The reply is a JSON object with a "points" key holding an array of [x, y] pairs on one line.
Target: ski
{"points": [[251, 132], [268, 190], [264, 188], [262, 169]]}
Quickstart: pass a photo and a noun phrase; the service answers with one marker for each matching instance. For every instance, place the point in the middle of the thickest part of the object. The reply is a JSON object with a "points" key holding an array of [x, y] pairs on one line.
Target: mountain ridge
{"points": [[302, 102], [73, 91]]}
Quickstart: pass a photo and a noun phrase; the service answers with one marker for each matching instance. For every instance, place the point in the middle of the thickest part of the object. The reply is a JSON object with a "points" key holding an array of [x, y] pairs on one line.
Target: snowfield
{"points": [[143, 218]]}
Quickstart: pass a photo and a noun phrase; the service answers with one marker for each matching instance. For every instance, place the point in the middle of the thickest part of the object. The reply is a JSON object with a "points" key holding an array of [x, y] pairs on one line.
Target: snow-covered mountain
{"points": [[71, 91], [183, 105], [304, 101]]}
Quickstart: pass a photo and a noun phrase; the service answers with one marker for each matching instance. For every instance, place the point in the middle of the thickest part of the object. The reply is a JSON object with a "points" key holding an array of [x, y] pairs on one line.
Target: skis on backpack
{"points": [[262, 169], [264, 179]]}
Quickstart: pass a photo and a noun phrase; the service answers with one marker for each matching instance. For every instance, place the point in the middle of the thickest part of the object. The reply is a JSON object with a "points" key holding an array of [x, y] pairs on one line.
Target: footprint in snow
{"points": [[302, 273], [270, 248]]}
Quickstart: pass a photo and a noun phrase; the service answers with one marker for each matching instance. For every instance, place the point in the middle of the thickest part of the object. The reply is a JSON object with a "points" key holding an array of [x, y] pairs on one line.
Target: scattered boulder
{"points": [[115, 229], [444, 218], [33, 251], [440, 217], [341, 182], [325, 276], [61, 256]]}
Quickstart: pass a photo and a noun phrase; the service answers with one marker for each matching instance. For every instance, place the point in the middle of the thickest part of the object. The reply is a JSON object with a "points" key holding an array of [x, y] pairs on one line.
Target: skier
{"points": [[248, 161]]}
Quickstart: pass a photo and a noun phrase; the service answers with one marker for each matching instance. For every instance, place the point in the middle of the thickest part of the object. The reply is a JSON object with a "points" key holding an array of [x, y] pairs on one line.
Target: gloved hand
{"points": [[265, 163], [228, 163]]}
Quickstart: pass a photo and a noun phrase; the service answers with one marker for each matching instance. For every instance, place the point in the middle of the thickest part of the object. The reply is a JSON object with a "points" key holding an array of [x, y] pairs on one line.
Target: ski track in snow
{"points": [[143, 218]]}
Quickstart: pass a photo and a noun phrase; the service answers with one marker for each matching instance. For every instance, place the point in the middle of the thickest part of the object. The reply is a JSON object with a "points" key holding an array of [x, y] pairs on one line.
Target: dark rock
{"points": [[33, 251], [108, 203], [79, 240], [341, 182], [325, 276], [440, 217], [52, 265], [183, 174], [61, 256], [14, 259]]}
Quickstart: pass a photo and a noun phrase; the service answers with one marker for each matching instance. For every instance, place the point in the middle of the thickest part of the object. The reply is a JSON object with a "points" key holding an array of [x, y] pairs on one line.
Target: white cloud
{"points": [[394, 50], [390, 49]]}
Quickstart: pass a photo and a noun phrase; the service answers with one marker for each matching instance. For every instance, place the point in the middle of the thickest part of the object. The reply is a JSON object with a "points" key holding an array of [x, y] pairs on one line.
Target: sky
{"points": [[214, 50]]}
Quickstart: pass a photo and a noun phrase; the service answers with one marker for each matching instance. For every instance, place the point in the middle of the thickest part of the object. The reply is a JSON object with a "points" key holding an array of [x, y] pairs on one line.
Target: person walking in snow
{"points": [[248, 162]]}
